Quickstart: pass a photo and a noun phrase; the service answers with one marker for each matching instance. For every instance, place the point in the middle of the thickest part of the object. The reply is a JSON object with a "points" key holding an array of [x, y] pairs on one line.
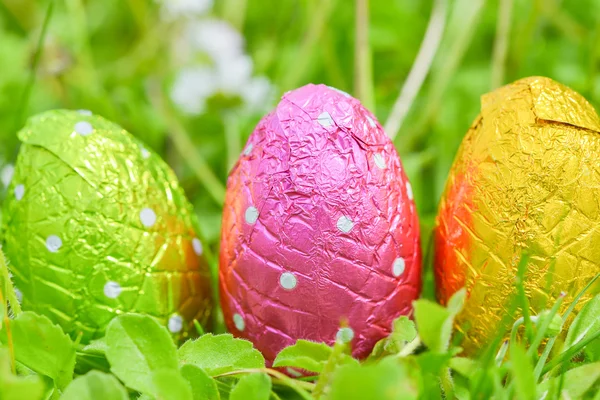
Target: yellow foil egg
{"points": [[526, 180]]}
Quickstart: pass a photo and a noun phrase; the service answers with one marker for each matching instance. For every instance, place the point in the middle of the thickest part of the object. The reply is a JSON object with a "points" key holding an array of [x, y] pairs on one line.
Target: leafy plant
{"points": [[416, 361]]}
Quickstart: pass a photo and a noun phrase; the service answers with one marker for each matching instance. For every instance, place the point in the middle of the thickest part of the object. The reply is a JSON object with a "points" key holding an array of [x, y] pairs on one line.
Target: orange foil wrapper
{"points": [[525, 180]]}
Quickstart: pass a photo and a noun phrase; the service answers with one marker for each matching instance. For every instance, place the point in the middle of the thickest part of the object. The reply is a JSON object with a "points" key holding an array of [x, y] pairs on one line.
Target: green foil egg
{"points": [[96, 225]]}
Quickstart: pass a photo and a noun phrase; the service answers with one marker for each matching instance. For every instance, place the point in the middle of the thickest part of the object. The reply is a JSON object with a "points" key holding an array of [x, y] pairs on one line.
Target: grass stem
{"points": [[420, 68], [570, 353], [501, 42], [328, 369], [443, 74], [299, 64], [234, 11], [186, 147], [363, 69], [232, 138], [24, 101], [542, 328]]}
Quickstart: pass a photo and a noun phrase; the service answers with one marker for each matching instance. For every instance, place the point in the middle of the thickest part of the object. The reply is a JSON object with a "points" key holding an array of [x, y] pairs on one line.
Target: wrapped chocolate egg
{"points": [[525, 180], [96, 225], [319, 228]]}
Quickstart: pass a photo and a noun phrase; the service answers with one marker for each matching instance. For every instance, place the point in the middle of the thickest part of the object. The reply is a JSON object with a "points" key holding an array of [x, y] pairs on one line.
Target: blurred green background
{"points": [[192, 77]]}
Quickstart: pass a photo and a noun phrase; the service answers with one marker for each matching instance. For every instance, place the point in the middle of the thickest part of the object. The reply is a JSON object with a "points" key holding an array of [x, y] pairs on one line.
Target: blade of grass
{"points": [[138, 11], [501, 353], [427, 274], [550, 344], [185, 146], [363, 69], [26, 94], [526, 32], [489, 355], [570, 353], [443, 73], [521, 269], [562, 20], [232, 138], [543, 327], [234, 11], [326, 375], [420, 68], [594, 54], [304, 55], [533, 348], [561, 381], [88, 79], [7, 8], [335, 73], [501, 42], [578, 297], [521, 373]]}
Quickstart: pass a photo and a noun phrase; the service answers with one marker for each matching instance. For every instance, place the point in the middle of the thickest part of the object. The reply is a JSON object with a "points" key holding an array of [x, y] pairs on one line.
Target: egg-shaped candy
{"points": [[319, 227], [525, 181], [96, 225]]}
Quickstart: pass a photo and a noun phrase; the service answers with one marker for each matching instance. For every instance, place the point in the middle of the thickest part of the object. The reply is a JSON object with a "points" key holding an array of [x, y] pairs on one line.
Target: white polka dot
{"points": [[409, 191], [251, 215], [84, 128], [345, 224], [325, 119], [112, 290], [371, 122], [19, 192], [293, 372], [148, 217], [239, 323], [7, 174], [345, 335], [288, 281], [339, 91], [398, 266], [248, 149], [379, 160], [197, 244], [53, 243], [175, 323], [145, 153], [84, 112], [19, 295]]}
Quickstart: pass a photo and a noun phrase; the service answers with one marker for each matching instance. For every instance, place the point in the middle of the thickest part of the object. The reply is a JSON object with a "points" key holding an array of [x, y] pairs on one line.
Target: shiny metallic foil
{"points": [[96, 225], [319, 227], [526, 179]]}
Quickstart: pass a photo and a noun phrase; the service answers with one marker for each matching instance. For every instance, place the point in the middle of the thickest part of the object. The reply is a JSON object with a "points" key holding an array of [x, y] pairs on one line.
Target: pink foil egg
{"points": [[319, 226]]}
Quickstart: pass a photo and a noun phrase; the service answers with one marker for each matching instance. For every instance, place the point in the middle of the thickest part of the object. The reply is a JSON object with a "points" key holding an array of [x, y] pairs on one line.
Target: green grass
{"points": [[120, 58]]}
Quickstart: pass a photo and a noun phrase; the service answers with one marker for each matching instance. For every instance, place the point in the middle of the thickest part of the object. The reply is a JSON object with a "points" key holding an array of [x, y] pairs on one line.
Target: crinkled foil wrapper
{"points": [[96, 225], [526, 178], [319, 227]]}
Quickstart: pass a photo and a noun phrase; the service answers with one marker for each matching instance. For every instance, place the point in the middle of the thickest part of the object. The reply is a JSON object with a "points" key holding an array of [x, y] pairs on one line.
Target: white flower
{"points": [[234, 73], [7, 174], [257, 94], [216, 38], [192, 87], [182, 8], [229, 71]]}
